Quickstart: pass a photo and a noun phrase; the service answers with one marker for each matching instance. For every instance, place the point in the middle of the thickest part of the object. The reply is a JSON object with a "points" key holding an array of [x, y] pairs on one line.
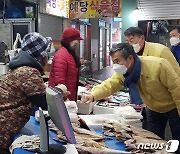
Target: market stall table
{"points": [[33, 128]]}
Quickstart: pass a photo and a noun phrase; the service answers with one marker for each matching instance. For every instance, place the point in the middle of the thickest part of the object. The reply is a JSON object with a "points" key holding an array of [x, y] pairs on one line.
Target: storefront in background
{"points": [[18, 17]]}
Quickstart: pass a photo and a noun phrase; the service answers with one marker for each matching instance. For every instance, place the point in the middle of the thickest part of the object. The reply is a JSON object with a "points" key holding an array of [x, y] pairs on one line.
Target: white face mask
{"points": [[174, 41], [120, 69], [136, 47]]}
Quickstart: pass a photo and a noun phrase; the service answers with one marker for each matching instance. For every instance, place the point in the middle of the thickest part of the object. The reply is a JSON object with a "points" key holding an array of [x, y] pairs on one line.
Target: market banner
{"points": [[95, 8], [58, 7]]}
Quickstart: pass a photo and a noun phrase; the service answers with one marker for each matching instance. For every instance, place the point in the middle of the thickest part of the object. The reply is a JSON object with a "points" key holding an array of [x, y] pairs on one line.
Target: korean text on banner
{"points": [[95, 8]]}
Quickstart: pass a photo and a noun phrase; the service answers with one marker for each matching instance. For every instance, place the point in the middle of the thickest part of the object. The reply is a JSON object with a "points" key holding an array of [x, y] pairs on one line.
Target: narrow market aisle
{"points": [[104, 73]]}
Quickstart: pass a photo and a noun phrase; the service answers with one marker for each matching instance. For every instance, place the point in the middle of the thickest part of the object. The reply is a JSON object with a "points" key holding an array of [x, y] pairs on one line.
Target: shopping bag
{"points": [[15, 50]]}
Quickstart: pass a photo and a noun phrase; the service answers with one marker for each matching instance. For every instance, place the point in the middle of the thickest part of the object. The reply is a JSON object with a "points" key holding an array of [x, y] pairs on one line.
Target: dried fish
{"points": [[144, 133], [124, 133], [91, 143], [92, 150], [108, 126], [108, 133], [88, 141], [119, 126], [133, 136], [83, 133]]}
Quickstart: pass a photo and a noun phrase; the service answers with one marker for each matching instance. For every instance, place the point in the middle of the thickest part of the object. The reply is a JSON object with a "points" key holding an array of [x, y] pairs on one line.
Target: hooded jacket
{"points": [[18, 87]]}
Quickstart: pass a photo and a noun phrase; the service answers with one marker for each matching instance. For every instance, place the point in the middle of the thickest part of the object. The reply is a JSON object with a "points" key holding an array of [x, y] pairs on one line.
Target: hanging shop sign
{"points": [[95, 8], [58, 7]]}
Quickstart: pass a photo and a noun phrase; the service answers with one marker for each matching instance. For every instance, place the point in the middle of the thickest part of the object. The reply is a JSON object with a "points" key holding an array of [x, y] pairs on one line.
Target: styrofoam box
{"points": [[96, 121], [85, 108], [102, 110], [133, 122]]}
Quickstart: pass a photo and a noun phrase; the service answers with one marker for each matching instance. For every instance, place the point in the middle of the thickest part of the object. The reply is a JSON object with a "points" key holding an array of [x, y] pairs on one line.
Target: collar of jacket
{"points": [[24, 59]]}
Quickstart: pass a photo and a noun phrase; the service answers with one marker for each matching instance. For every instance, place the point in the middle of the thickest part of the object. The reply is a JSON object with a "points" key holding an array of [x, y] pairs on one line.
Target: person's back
{"points": [[159, 50], [154, 81], [15, 107]]}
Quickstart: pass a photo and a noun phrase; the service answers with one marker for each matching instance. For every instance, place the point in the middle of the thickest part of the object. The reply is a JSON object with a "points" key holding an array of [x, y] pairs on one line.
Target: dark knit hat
{"points": [[35, 45], [71, 34]]}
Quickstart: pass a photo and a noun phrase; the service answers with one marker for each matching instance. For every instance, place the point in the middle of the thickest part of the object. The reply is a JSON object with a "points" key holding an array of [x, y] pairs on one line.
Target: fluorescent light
{"points": [[137, 15]]}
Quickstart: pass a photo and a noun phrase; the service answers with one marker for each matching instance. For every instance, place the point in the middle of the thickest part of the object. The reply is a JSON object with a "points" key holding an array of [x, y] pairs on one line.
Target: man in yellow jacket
{"points": [[135, 37], [151, 80]]}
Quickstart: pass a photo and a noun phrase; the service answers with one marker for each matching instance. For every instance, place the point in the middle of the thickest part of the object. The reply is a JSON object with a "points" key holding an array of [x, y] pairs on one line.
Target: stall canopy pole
{"points": [[4, 10]]}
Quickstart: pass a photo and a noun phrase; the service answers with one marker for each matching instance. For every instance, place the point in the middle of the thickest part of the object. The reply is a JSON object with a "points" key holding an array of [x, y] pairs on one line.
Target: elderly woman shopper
{"points": [[22, 88]]}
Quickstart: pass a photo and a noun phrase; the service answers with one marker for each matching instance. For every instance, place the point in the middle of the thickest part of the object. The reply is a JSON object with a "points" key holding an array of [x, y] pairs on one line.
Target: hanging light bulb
{"points": [[137, 15]]}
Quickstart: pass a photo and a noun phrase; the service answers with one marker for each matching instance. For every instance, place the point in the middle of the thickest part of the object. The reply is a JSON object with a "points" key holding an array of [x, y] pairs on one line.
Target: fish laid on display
{"points": [[87, 141], [80, 133], [92, 150], [135, 138]]}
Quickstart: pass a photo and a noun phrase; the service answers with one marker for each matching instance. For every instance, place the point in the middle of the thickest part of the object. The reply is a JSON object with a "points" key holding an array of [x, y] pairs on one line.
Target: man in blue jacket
{"points": [[174, 35]]}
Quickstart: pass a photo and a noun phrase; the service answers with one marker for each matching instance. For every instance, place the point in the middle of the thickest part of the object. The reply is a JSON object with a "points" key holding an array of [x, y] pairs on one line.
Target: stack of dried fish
{"points": [[133, 137], [88, 141]]}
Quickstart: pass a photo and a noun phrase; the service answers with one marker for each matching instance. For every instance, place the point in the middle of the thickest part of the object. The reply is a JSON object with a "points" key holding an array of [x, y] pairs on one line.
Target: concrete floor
{"points": [[103, 74]]}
